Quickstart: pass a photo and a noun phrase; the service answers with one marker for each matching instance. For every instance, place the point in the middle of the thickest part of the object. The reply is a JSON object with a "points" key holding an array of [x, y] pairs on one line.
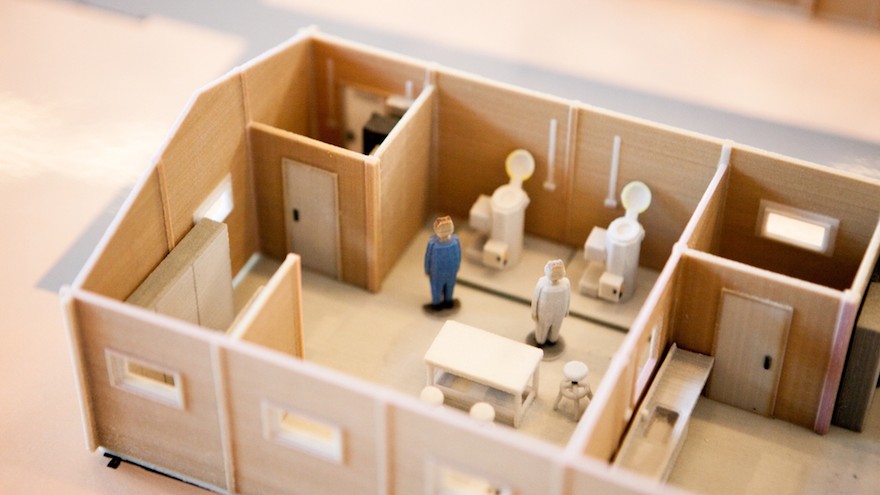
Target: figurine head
{"points": [[555, 270], [443, 227]]}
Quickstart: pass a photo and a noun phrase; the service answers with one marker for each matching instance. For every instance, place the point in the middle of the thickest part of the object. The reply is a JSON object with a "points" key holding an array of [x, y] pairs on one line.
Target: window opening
{"points": [[218, 205], [796, 227], [302, 432], [449, 481], [145, 379]]}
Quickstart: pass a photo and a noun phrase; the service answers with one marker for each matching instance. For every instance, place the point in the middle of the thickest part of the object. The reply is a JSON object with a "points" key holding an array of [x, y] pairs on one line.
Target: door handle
{"points": [[768, 361], [295, 215]]}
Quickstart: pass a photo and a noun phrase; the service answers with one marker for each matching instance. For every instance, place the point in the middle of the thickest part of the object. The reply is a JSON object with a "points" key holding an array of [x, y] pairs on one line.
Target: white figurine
{"points": [[550, 302]]}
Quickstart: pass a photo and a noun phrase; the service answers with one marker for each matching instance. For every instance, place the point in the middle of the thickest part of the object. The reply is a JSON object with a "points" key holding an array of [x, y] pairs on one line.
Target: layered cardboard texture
{"points": [[119, 271]]}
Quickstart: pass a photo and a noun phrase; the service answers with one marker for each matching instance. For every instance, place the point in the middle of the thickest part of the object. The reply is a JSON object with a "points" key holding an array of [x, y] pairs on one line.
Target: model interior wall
{"points": [[706, 232], [274, 317], [600, 431], [757, 176], [404, 161]]}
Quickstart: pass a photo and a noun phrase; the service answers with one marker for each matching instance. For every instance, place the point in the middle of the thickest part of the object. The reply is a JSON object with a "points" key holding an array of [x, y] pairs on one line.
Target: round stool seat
{"points": [[575, 371]]}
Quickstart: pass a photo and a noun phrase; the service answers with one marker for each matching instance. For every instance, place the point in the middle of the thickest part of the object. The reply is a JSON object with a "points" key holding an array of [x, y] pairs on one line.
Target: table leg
{"points": [[430, 374]]}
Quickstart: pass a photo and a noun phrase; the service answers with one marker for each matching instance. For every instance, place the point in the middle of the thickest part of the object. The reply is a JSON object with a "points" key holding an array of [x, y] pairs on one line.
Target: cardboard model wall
{"points": [[448, 149]]}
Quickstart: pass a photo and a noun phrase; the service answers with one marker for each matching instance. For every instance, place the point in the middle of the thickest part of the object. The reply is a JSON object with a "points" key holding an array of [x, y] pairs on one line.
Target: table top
{"points": [[484, 357]]}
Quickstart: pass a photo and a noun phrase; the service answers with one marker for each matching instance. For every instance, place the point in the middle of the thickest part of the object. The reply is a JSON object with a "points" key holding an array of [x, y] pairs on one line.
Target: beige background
{"points": [[88, 94]]}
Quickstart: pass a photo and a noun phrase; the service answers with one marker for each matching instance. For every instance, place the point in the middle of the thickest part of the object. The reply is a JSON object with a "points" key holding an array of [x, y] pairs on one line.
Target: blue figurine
{"points": [[442, 259]]}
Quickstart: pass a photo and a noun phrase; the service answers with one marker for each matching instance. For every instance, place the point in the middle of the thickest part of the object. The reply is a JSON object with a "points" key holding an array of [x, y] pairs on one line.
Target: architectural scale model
{"points": [[762, 261]]}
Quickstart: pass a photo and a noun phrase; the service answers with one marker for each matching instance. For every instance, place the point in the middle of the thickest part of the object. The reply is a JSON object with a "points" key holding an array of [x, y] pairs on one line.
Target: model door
{"points": [[749, 344], [312, 216]]}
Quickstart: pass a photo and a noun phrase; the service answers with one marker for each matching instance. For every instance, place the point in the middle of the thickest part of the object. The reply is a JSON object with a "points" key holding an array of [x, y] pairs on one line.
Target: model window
{"points": [[145, 379], [219, 203], [449, 481], [302, 432], [800, 228]]}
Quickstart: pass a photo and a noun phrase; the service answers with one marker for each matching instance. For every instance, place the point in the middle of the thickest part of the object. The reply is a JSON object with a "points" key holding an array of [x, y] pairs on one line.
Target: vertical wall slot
{"points": [[331, 94], [611, 200], [549, 184]]}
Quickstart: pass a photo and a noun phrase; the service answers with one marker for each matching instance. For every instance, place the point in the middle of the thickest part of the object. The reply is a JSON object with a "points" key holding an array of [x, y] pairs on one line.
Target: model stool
{"points": [[574, 386]]}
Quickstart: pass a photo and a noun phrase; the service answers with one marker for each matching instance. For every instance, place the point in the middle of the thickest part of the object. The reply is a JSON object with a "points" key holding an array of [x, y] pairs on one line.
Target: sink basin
{"points": [[658, 425]]}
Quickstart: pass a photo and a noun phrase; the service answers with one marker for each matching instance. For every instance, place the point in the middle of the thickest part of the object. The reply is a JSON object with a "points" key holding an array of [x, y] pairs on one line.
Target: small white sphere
{"points": [[432, 395], [483, 411]]}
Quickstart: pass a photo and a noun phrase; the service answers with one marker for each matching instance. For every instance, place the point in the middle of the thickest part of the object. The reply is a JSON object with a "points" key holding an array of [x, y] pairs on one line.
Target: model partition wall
{"points": [[273, 317], [601, 429]]}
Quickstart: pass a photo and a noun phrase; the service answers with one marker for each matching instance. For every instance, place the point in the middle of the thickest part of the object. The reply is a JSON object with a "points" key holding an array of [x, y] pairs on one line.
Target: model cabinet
{"points": [[660, 426], [194, 282], [471, 365]]}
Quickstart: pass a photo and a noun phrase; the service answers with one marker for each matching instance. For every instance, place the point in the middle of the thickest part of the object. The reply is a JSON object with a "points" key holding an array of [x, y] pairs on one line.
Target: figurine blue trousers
{"points": [[441, 290]]}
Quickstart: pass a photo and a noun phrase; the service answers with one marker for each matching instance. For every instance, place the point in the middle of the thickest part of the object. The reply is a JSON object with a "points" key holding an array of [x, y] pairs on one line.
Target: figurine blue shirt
{"points": [[442, 260]]}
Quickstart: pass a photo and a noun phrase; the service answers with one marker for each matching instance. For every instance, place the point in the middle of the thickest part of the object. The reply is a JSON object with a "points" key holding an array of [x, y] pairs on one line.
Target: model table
{"points": [[471, 365]]}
